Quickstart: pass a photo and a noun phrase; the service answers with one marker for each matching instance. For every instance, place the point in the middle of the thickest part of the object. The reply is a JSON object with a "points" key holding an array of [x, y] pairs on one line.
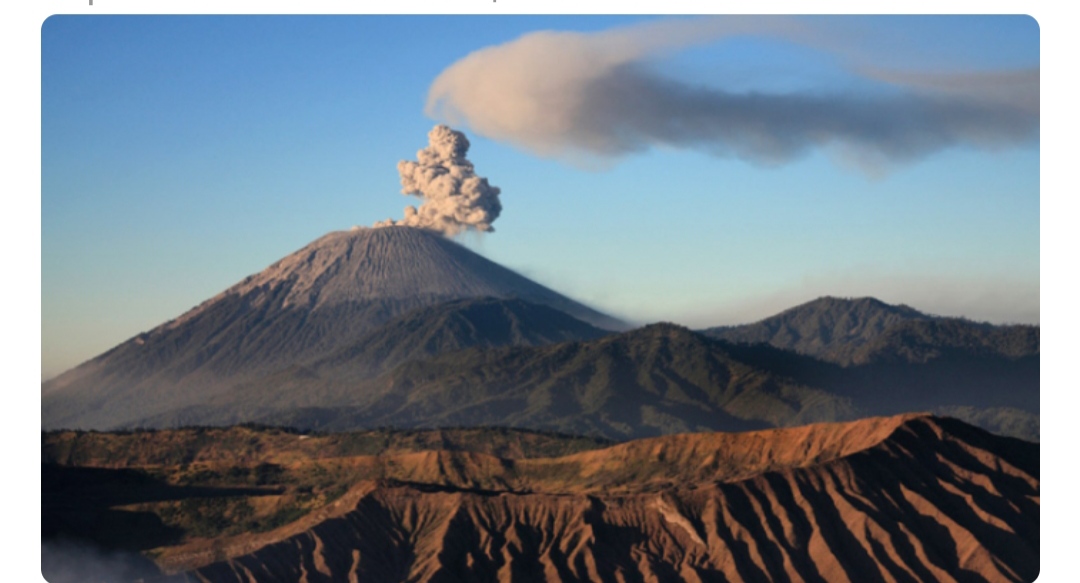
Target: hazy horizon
{"points": [[749, 311]]}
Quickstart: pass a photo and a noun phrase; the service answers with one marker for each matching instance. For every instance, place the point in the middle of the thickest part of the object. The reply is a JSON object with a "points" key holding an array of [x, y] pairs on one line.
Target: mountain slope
{"points": [[922, 341], [901, 358], [458, 325], [655, 380], [902, 498], [829, 328], [317, 301], [866, 330]]}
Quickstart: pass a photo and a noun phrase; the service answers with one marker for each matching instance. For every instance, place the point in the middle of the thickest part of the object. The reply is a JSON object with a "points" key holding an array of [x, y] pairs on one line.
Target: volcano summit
{"points": [[308, 305]]}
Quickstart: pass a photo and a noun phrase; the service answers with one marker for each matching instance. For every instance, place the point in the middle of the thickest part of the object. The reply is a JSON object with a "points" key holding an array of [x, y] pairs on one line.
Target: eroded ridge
{"points": [[892, 499]]}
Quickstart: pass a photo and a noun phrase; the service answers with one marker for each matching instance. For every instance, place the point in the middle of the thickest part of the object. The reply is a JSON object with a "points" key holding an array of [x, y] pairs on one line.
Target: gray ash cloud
{"points": [[454, 198]]}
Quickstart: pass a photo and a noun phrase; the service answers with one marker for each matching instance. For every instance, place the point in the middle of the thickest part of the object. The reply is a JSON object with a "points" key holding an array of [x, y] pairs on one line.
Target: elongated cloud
{"points": [[558, 93], [455, 198]]}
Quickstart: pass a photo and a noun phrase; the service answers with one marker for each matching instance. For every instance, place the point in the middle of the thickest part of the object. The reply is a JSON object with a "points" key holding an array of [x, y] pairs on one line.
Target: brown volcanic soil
{"points": [[907, 498]]}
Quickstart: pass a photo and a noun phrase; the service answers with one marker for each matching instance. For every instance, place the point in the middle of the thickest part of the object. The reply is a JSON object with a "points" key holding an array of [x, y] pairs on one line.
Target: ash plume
{"points": [[455, 198], [601, 94]]}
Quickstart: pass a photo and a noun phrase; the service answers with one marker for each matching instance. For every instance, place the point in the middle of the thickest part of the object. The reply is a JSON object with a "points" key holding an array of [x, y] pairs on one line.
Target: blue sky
{"points": [[180, 154]]}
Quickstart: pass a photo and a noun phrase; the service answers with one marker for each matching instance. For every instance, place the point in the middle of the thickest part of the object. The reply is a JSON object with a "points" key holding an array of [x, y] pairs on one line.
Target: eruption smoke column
{"points": [[455, 198]]}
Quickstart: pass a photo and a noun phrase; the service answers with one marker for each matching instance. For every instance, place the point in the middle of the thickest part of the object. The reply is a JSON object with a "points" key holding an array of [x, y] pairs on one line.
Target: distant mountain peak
{"points": [[828, 327], [668, 328], [849, 304], [864, 329]]}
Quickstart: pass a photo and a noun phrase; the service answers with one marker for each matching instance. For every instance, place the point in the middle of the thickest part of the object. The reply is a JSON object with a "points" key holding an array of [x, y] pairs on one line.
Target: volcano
{"points": [[309, 305]]}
